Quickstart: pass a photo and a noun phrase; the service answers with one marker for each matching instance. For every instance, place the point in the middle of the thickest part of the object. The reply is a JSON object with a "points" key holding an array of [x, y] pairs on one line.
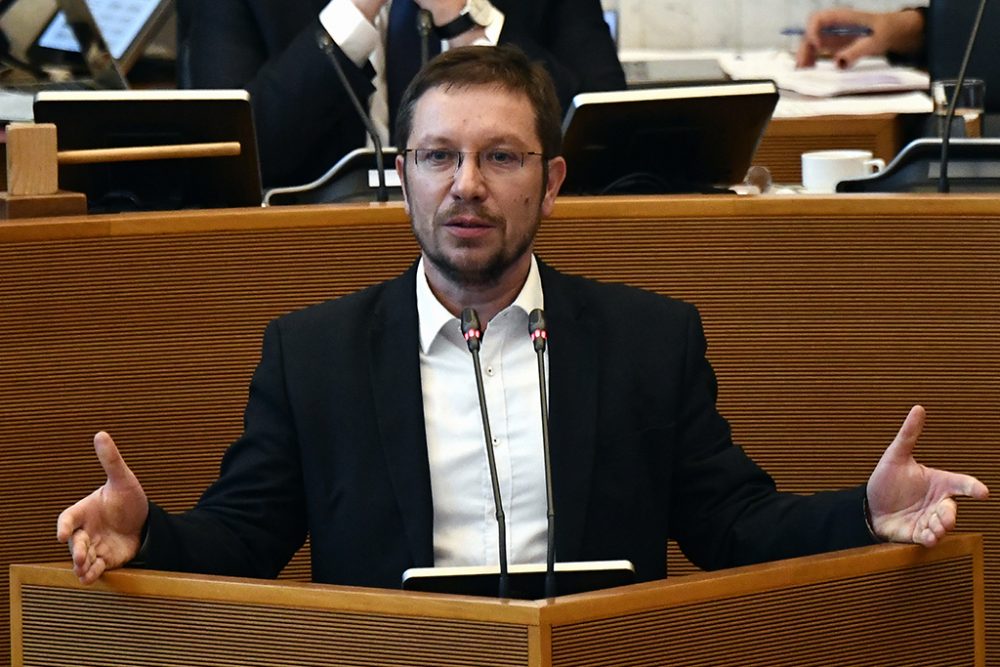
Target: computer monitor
{"points": [[684, 139], [38, 32], [127, 118]]}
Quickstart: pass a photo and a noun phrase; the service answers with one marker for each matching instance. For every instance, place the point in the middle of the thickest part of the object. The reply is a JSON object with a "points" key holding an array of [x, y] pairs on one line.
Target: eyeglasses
{"points": [[443, 162]]}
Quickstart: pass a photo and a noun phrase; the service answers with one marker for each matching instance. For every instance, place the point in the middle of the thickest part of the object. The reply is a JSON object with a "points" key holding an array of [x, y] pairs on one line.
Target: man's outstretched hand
{"points": [[910, 502], [104, 529]]}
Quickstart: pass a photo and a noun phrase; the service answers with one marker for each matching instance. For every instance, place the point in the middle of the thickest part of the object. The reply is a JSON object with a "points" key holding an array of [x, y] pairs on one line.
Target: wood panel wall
{"points": [[827, 317]]}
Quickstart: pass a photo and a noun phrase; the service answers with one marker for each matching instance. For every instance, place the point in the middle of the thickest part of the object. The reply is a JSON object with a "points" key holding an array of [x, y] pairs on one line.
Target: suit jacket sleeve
{"points": [[571, 38], [298, 101], [253, 518]]}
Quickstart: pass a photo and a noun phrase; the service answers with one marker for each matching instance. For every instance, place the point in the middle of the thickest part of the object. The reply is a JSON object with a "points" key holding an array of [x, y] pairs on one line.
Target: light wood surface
{"points": [[827, 317], [31, 159], [868, 606], [134, 153]]}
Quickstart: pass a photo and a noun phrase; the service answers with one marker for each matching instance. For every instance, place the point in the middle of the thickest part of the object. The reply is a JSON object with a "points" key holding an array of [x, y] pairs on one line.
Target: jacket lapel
{"points": [[573, 393], [395, 380]]}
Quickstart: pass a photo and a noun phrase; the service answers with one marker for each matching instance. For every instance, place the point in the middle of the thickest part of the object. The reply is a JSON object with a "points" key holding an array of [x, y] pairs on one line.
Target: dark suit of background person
{"points": [[947, 27], [334, 445], [305, 122]]}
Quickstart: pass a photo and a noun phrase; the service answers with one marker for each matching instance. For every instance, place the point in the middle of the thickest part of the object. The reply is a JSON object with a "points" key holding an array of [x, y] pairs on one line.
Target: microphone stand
{"points": [[943, 185], [539, 336], [326, 44], [473, 333]]}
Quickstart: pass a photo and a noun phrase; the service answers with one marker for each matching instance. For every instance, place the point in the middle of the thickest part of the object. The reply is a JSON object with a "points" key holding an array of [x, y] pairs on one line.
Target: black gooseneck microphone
{"points": [[327, 44], [424, 26], [943, 185], [539, 337], [473, 333]]}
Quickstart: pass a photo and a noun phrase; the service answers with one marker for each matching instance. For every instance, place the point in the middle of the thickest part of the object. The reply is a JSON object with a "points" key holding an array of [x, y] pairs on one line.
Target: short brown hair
{"points": [[505, 67]]}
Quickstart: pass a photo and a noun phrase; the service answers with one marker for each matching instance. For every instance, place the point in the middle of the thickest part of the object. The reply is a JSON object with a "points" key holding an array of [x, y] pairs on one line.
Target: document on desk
{"points": [[793, 105], [869, 75], [872, 86]]}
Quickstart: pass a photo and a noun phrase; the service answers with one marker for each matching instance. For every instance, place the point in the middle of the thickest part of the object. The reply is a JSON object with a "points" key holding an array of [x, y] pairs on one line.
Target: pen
{"points": [[835, 30]]}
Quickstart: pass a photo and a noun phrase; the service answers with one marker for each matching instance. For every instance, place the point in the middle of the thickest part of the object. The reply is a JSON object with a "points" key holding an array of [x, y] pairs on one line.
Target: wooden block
{"points": [[32, 167], [14, 207]]}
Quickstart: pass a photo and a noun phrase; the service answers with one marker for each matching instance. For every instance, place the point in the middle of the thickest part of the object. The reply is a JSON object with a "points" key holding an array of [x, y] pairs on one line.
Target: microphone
{"points": [[424, 26], [539, 337], [326, 44], [473, 334], [943, 185]]}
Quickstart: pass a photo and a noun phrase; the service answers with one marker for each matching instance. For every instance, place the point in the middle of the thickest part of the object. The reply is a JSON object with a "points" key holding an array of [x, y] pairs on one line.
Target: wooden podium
{"points": [[882, 605]]}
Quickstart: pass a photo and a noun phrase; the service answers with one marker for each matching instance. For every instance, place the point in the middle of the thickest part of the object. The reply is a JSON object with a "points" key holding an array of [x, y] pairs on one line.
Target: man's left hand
{"points": [[910, 502]]}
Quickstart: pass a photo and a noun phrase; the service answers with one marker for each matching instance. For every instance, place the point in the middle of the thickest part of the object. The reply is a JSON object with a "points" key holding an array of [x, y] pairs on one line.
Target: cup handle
{"points": [[875, 165]]}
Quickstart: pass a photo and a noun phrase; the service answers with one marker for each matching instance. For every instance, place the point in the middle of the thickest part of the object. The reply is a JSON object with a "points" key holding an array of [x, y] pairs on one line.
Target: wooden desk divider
{"points": [[883, 605], [33, 168]]}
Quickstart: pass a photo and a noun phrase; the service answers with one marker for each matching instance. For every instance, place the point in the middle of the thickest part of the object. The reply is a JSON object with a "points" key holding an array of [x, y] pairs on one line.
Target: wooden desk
{"points": [[787, 139], [869, 606], [827, 317]]}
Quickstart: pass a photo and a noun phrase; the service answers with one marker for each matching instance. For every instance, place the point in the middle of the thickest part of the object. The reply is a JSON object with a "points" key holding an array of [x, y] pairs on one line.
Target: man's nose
{"points": [[468, 182]]}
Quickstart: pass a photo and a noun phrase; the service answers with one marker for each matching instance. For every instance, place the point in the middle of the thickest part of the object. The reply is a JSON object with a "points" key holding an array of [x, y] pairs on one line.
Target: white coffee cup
{"points": [[822, 170]]}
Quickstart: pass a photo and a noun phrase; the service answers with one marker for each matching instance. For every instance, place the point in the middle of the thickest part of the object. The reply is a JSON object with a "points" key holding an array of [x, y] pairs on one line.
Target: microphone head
{"points": [[536, 327], [470, 329]]}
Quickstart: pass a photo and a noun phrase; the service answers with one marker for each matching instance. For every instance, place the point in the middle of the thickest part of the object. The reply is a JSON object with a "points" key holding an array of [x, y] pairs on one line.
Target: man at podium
{"points": [[362, 428]]}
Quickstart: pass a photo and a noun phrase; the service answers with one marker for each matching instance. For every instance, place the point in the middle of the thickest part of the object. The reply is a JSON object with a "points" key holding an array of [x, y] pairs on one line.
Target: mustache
{"points": [[469, 209]]}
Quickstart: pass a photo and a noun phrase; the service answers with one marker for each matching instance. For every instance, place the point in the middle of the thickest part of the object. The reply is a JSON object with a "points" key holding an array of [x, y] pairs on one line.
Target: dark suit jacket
{"points": [[334, 446], [305, 123]]}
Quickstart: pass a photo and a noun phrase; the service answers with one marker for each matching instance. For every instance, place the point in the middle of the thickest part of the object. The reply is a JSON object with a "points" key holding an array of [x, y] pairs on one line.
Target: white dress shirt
{"points": [[465, 527], [361, 41]]}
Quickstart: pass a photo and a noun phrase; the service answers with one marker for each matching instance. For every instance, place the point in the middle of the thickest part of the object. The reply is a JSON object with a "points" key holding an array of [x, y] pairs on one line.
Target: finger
{"points": [[93, 572], [67, 523], [80, 549], [859, 48], [946, 514], [806, 55], [968, 486], [111, 460]]}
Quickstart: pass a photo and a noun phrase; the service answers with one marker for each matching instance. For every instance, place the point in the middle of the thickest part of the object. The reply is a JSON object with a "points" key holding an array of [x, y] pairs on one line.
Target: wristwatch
{"points": [[475, 14]]}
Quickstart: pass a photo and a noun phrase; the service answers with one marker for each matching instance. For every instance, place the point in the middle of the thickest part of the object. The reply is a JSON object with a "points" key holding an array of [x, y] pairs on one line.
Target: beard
{"points": [[480, 273]]}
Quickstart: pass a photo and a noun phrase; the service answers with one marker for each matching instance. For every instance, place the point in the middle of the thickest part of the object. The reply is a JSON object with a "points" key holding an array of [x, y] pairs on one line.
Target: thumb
{"points": [[901, 448], [111, 460]]}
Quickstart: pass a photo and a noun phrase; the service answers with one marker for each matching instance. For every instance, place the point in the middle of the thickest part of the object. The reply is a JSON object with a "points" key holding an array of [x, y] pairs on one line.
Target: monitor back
{"points": [[682, 139]]}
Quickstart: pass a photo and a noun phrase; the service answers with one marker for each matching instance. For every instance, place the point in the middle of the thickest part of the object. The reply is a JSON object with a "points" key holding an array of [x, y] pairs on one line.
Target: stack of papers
{"points": [[872, 86], [869, 75]]}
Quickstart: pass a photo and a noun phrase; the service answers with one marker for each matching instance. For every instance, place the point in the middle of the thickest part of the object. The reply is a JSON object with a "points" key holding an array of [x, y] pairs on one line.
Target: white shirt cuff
{"points": [[493, 28], [349, 28]]}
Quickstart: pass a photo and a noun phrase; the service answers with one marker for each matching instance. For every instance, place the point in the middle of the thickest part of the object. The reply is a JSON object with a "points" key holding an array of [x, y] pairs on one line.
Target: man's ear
{"points": [[557, 174], [401, 172]]}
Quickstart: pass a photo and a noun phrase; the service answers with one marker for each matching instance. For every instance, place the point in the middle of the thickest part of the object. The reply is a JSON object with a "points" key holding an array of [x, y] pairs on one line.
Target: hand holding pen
{"points": [[847, 35]]}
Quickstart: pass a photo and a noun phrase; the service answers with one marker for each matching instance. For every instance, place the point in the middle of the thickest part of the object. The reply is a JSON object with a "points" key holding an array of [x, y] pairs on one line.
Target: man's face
{"points": [[476, 223]]}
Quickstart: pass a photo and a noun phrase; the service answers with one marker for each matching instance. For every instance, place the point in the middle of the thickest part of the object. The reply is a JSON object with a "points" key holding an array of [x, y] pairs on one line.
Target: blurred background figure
{"points": [[933, 37], [305, 120]]}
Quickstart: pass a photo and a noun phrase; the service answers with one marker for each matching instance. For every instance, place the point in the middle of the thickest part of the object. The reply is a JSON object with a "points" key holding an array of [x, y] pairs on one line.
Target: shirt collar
{"points": [[434, 317]]}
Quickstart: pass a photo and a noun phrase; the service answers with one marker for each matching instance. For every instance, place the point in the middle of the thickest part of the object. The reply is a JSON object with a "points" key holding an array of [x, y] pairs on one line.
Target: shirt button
{"points": [[496, 441], [489, 371]]}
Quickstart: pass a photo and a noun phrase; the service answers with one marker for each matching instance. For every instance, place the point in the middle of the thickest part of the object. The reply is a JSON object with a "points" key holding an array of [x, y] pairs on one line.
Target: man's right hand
{"points": [[104, 529], [370, 8], [899, 32]]}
